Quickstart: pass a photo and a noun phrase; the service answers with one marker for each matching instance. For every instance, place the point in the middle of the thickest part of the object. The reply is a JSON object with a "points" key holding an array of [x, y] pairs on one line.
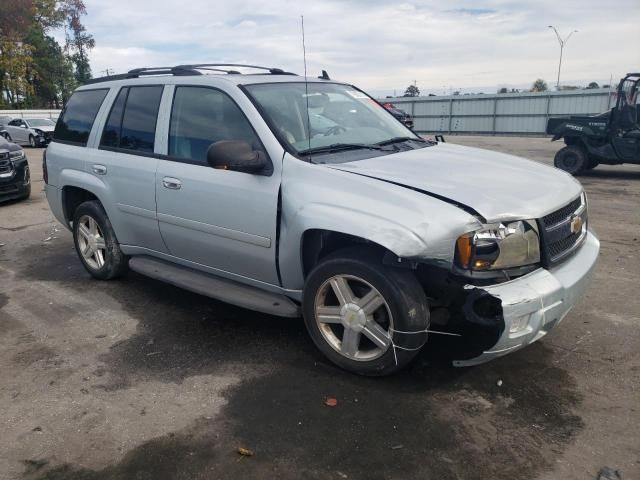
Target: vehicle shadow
{"points": [[611, 173]]}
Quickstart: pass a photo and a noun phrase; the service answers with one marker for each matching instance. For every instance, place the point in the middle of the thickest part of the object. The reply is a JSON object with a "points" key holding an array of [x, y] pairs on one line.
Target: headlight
{"points": [[17, 155], [499, 246], [38, 131]]}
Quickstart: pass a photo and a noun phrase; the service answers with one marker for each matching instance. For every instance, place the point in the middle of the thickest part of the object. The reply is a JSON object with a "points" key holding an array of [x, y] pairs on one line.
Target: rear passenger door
{"points": [[222, 219], [126, 164]]}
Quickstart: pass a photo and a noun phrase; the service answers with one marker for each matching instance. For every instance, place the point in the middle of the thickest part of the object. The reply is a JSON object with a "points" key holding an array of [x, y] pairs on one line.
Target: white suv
{"points": [[297, 196]]}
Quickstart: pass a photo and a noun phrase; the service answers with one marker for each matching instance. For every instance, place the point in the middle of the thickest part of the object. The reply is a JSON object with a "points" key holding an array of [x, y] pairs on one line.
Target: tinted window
{"points": [[202, 116], [78, 116], [111, 133], [134, 130]]}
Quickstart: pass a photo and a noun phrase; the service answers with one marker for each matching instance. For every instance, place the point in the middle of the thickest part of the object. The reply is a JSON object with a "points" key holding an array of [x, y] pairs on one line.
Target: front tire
{"points": [[365, 317], [32, 141], [572, 159], [96, 242]]}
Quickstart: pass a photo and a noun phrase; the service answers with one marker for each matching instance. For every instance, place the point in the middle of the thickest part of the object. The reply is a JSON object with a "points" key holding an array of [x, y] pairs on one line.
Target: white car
{"points": [[35, 132]]}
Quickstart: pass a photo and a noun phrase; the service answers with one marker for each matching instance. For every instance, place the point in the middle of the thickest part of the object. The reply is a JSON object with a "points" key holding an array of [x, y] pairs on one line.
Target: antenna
{"points": [[306, 82]]}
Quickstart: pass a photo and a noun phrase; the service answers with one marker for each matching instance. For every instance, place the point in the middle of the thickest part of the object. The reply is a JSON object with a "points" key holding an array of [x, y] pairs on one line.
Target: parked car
{"points": [[35, 132], [224, 185], [400, 114], [15, 178], [3, 122]]}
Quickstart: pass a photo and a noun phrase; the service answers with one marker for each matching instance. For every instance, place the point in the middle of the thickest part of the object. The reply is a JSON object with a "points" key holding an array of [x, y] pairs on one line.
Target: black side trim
{"points": [[278, 225]]}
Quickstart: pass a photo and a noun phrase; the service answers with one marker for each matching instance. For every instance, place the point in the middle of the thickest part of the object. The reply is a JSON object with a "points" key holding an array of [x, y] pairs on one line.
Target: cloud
{"points": [[379, 45]]}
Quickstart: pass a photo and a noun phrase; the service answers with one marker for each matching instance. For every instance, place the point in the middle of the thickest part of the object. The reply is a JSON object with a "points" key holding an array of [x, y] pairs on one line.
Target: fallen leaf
{"points": [[331, 402], [245, 452]]}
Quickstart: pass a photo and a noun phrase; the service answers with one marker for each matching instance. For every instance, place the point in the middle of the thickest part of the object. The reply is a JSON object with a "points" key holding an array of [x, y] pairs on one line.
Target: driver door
{"points": [[221, 219]]}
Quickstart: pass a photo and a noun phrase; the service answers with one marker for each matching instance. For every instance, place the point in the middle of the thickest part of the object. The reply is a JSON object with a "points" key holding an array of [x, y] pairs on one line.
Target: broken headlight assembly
{"points": [[500, 246]]}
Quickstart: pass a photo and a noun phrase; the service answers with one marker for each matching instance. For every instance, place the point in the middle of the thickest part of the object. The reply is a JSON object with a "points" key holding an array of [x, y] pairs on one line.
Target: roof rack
{"points": [[185, 70]]}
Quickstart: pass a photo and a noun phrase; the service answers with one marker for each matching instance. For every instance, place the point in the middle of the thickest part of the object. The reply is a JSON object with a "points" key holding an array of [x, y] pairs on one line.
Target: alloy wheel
{"points": [[91, 242], [353, 317]]}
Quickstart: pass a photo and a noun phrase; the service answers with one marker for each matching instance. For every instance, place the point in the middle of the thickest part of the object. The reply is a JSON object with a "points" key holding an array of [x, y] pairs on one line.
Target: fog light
{"points": [[519, 324]]}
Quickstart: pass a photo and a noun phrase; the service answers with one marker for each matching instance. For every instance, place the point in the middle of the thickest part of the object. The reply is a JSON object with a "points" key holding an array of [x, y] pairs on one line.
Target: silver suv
{"points": [[305, 197]]}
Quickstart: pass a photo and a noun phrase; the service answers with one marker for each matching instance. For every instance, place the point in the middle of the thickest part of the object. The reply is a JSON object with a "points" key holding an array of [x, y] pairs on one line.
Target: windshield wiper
{"points": [[400, 140], [337, 147]]}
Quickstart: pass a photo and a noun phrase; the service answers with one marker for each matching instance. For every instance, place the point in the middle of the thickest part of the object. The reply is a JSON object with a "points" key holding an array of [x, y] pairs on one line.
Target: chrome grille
{"points": [[559, 239], [562, 214]]}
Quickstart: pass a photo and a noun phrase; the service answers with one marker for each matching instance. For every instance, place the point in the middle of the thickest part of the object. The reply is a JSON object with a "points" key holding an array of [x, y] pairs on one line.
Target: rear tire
{"points": [[572, 159], [96, 242], [381, 323]]}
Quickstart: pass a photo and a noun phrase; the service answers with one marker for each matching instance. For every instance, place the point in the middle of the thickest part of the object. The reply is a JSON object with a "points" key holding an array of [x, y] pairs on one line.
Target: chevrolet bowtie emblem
{"points": [[576, 225]]}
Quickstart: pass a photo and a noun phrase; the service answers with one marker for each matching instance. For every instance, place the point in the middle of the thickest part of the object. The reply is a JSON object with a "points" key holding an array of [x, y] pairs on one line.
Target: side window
{"points": [[76, 121], [111, 132], [15, 123], [201, 116], [132, 121]]}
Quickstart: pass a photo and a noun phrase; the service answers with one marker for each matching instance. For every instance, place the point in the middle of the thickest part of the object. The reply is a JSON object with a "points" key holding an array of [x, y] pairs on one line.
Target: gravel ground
{"points": [[138, 379]]}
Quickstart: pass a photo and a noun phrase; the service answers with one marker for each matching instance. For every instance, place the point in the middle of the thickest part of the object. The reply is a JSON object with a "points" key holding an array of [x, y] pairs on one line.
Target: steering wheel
{"points": [[335, 130]]}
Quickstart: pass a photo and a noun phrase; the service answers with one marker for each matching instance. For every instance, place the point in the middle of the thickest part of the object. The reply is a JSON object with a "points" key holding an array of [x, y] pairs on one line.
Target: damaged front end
{"points": [[480, 323]]}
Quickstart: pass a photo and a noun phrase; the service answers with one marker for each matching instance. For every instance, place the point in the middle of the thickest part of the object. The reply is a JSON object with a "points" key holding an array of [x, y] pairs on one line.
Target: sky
{"points": [[381, 46]]}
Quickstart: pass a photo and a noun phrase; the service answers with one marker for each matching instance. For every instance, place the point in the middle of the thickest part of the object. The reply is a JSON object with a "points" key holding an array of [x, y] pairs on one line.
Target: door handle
{"points": [[171, 183], [99, 169]]}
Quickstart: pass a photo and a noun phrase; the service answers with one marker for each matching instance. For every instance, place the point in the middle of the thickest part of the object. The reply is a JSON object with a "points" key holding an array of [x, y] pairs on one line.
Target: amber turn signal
{"points": [[464, 250]]}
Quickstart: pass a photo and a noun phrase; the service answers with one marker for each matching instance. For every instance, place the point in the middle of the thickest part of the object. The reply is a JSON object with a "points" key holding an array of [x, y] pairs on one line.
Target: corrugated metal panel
{"points": [[432, 124], [524, 113], [471, 124], [52, 114], [430, 108], [478, 107], [521, 124], [527, 105]]}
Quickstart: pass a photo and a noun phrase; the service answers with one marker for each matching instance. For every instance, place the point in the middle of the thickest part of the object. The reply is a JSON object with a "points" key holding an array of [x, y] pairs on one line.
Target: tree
{"points": [[35, 71], [412, 91], [503, 90], [593, 85], [78, 40], [539, 86]]}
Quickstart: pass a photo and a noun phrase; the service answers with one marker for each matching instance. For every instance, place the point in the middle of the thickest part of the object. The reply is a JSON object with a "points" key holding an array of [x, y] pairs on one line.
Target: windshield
{"points": [[338, 116], [40, 122]]}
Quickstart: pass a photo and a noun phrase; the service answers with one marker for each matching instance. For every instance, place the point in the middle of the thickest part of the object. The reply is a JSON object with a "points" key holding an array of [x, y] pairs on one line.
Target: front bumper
{"points": [[16, 183], [537, 302]]}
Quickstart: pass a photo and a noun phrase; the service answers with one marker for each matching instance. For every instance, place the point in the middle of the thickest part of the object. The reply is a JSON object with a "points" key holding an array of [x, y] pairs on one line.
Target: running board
{"points": [[219, 288]]}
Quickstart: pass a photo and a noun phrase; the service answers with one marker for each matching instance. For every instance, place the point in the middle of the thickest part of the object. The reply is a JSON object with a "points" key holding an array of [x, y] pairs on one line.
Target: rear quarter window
{"points": [[76, 121]]}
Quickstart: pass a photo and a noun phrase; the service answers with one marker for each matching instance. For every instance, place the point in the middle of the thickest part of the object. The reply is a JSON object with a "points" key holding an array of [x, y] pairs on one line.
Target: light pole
{"points": [[562, 44]]}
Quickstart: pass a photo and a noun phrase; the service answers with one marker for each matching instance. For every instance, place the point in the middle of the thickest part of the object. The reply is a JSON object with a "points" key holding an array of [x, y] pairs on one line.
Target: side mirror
{"points": [[236, 155]]}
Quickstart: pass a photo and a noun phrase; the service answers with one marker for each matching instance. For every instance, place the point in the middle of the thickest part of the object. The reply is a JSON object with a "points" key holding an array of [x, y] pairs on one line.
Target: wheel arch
{"points": [[320, 229], [78, 187]]}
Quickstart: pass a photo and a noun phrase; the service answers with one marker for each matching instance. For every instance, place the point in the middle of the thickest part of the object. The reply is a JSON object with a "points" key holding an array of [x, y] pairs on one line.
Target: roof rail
{"points": [[207, 66], [180, 70]]}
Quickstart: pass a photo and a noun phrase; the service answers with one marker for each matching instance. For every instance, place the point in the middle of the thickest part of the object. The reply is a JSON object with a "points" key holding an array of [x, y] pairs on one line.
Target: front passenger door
{"points": [[221, 219]]}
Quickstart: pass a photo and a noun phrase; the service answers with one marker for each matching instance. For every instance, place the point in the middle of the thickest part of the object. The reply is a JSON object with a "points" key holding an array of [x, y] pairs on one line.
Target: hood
{"points": [[496, 185], [49, 128], [6, 146]]}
